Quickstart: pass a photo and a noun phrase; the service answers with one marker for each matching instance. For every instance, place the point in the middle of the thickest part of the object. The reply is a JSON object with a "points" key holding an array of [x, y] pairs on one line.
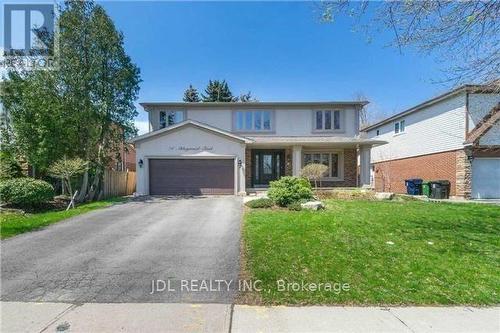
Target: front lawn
{"points": [[12, 224], [387, 252]]}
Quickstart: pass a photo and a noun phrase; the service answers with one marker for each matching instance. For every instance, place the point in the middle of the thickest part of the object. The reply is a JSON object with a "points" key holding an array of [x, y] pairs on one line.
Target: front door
{"points": [[268, 165]]}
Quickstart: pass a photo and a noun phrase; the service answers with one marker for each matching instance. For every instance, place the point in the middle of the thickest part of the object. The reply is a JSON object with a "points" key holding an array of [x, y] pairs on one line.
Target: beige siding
{"points": [[288, 122]]}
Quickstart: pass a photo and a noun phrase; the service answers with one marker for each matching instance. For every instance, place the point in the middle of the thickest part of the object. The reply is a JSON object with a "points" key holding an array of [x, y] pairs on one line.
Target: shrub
{"points": [[260, 203], [25, 192], [9, 167], [287, 190], [295, 206], [65, 169], [346, 194], [314, 172]]}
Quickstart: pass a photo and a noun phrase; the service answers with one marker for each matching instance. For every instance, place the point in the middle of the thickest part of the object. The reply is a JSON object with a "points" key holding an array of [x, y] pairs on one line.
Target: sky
{"points": [[280, 51]]}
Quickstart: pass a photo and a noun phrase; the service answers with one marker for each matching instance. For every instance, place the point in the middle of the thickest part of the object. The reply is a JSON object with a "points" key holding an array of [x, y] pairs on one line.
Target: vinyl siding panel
{"points": [[479, 106], [437, 128]]}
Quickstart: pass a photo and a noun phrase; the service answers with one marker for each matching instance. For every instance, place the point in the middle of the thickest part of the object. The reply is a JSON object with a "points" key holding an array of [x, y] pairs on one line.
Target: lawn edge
{"points": [[8, 238], [245, 297]]}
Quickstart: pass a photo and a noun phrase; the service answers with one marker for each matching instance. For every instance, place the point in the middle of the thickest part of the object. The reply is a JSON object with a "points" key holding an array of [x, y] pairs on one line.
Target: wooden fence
{"points": [[118, 183]]}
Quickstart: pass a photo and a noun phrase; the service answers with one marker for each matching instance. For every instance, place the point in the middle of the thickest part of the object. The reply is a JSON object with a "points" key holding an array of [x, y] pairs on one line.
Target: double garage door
{"points": [[191, 176], [486, 178]]}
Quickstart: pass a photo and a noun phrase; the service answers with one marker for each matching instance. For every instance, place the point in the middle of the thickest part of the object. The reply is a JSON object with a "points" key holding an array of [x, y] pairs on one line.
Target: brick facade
{"points": [[288, 161], [248, 168], [452, 165], [350, 168], [350, 171], [248, 165]]}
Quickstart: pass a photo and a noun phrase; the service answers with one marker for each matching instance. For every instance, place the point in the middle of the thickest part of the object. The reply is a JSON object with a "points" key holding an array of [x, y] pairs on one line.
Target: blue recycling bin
{"points": [[414, 186]]}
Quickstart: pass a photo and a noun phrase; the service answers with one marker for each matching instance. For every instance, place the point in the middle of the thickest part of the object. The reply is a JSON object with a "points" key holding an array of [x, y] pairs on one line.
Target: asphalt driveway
{"points": [[114, 254]]}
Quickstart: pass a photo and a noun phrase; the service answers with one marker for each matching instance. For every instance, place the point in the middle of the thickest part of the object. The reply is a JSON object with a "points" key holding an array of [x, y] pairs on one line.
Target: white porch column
{"points": [[296, 160], [364, 166]]}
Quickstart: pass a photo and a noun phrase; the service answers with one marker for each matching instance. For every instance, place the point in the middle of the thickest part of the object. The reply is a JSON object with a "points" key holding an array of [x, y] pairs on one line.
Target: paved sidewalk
{"points": [[163, 317], [117, 317], [365, 319]]}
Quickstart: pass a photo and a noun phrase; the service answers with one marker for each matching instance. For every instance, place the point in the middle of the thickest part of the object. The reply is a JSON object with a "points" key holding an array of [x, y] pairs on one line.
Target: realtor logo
{"points": [[28, 35]]}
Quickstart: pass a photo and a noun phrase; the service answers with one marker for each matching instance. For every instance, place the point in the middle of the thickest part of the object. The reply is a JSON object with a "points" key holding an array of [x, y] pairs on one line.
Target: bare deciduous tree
{"points": [[463, 35], [314, 172]]}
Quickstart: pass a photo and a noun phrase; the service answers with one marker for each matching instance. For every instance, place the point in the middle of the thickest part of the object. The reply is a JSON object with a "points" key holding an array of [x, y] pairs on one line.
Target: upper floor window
{"points": [[326, 120], [399, 127], [253, 121], [168, 118]]}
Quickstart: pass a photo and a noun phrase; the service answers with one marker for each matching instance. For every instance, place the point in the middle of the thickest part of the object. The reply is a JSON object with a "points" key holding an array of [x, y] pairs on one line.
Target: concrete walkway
{"points": [[163, 317]]}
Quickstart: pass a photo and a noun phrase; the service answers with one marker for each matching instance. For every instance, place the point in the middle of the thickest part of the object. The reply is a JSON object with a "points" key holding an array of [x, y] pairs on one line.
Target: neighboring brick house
{"points": [[124, 159], [229, 148], [455, 137]]}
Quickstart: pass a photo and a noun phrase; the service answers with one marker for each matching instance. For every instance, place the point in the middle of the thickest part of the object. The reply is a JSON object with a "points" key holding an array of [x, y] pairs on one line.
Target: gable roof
{"points": [[468, 88], [193, 123], [484, 125]]}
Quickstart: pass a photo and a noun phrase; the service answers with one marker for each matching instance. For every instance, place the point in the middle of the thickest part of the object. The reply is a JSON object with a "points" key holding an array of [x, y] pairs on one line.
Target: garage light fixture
{"points": [[239, 163], [141, 162]]}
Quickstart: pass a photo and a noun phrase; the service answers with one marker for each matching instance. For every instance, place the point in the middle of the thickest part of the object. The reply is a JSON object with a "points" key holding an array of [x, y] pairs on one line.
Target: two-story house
{"points": [[232, 148], [454, 137]]}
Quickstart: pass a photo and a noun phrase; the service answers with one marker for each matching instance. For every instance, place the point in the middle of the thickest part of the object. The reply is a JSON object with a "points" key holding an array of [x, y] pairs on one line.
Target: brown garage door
{"points": [[191, 176]]}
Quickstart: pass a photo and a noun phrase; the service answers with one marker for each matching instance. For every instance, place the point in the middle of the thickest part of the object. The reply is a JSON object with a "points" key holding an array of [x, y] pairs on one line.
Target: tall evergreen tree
{"points": [[191, 95], [218, 91]]}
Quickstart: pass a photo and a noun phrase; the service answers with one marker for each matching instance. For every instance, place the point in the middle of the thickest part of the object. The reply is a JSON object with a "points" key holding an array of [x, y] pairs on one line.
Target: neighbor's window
{"points": [[331, 160], [168, 118], [326, 120], [252, 121], [399, 127]]}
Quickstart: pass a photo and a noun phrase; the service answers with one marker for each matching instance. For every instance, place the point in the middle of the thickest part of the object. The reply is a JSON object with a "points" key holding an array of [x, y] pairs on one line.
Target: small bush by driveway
{"points": [[387, 252]]}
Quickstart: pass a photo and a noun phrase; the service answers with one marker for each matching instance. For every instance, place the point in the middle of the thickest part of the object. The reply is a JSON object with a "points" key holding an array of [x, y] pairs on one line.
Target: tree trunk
{"points": [[63, 187], [96, 184], [68, 183], [84, 187]]}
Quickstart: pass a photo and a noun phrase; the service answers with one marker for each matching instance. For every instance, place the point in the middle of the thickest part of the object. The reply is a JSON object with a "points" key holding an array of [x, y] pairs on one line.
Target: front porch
{"points": [[265, 163]]}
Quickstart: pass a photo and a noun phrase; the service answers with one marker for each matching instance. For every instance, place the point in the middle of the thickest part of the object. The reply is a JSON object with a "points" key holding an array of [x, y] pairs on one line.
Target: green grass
{"points": [[442, 253], [12, 224]]}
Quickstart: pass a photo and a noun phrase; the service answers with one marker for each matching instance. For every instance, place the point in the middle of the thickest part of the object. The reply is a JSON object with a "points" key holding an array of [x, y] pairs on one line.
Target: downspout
{"points": [[466, 114], [358, 165]]}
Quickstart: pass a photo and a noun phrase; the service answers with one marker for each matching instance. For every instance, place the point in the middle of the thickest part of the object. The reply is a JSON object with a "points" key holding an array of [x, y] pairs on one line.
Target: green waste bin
{"points": [[426, 189]]}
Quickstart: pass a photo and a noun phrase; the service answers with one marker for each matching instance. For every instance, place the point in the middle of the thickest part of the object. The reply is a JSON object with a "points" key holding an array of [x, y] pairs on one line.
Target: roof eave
{"points": [[193, 123], [147, 105], [468, 88]]}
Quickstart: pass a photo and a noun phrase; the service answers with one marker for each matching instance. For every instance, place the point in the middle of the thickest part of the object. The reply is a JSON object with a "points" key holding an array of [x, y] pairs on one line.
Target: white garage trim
{"points": [[212, 157]]}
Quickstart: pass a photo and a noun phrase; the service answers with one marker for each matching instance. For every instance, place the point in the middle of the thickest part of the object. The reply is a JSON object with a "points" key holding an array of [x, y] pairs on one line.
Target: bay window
{"points": [[253, 121]]}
